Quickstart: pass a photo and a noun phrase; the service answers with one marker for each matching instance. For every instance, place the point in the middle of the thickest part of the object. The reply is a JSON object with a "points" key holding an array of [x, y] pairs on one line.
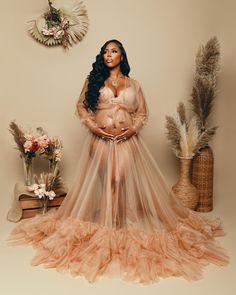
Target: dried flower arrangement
{"points": [[188, 137], [45, 188], [30, 144], [65, 26]]}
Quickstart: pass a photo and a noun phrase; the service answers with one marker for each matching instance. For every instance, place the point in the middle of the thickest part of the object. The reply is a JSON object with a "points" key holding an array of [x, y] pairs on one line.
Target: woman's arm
{"points": [[88, 118], [141, 112], [139, 117]]}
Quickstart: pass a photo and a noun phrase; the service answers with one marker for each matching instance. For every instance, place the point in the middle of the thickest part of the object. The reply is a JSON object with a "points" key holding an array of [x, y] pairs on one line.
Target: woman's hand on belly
{"points": [[99, 131], [126, 134]]}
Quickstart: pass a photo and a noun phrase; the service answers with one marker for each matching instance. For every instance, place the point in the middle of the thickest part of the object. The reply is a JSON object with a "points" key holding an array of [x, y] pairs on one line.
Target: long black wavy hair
{"points": [[101, 72]]}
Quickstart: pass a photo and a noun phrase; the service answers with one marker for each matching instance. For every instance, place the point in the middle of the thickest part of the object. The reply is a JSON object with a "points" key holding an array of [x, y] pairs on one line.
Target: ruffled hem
{"points": [[91, 250]]}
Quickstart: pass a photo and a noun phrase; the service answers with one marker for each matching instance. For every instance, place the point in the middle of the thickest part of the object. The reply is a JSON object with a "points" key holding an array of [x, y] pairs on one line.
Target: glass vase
{"points": [[44, 206], [28, 170]]}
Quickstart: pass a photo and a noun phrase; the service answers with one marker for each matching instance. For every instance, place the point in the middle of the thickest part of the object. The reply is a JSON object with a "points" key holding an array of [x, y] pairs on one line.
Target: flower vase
{"points": [[184, 190], [44, 206], [28, 170], [52, 167], [202, 178]]}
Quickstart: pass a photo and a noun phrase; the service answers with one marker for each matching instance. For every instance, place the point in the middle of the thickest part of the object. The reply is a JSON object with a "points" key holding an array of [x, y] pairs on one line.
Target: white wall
{"points": [[40, 85]]}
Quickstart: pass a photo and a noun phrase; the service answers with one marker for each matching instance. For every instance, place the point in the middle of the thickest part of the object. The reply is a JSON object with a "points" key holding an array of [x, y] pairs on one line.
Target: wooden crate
{"points": [[31, 205]]}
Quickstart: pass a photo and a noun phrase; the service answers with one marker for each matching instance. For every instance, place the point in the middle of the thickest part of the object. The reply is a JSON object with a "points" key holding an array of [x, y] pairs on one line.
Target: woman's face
{"points": [[112, 55]]}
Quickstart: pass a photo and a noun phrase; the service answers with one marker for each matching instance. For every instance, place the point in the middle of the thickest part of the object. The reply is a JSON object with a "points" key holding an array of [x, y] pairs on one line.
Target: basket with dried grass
{"points": [[186, 140], [203, 95]]}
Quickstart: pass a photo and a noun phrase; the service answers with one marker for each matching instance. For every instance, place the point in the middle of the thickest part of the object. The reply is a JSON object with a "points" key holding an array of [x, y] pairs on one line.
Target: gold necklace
{"points": [[114, 82]]}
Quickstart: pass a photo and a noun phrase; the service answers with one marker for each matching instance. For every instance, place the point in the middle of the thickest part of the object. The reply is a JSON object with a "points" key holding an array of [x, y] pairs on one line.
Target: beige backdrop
{"points": [[40, 85]]}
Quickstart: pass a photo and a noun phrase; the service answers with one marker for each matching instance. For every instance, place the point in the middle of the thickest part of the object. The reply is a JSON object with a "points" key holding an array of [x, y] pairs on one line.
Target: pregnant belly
{"points": [[113, 121]]}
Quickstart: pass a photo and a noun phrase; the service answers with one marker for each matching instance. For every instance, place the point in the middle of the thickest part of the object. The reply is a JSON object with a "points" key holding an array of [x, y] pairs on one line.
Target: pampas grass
{"points": [[173, 133], [187, 137], [182, 134], [18, 136], [204, 89]]}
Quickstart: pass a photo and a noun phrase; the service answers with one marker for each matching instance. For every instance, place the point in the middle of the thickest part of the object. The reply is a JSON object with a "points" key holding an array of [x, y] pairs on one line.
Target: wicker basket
{"points": [[202, 178], [184, 190]]}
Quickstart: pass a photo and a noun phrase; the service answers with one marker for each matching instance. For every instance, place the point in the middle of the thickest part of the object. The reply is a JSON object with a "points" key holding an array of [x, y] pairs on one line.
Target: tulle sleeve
{"points": [[141, 113], [86, 116]]}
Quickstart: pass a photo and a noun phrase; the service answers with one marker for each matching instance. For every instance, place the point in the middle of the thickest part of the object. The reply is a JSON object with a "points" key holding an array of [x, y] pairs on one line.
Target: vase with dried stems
{"points": [[28, 145], [183, 135], [203, 95], [46, 188]]}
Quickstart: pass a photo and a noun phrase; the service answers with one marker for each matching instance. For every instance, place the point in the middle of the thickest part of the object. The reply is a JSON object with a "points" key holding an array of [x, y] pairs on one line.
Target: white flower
{"points": [[40, 193], [50, 195], [27, 145]]}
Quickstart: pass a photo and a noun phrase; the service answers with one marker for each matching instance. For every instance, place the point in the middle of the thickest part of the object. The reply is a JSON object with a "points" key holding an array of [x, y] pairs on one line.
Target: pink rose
{"points": [[27, 145], [59, 34]]}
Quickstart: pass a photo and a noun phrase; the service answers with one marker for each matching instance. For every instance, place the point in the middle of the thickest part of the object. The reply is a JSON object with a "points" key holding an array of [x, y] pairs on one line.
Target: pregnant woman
{"points": [[120, 218]]}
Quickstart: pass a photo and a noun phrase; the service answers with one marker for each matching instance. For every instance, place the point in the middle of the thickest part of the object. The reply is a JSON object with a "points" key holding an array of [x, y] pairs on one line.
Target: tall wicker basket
{"points": [[184, 190], [202, 178]]}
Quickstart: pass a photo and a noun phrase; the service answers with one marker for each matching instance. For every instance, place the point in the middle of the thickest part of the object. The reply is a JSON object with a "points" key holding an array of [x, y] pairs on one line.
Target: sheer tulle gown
{"points": [[120, 218]]}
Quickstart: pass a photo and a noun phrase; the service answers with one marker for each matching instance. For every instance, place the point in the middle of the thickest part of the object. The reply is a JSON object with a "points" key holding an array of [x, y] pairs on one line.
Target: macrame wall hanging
{"points": [[65, 26]]}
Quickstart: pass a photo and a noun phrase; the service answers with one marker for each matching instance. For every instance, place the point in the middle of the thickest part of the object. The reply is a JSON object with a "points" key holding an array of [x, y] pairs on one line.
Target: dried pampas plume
{"points": [[204, 88], [207, 58], [182, 113], [18, 136], [173, 133], [183, 135]]}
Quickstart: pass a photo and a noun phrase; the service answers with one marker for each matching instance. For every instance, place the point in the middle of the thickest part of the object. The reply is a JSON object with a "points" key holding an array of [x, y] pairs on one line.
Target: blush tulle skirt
{"points": [[120, 219]]}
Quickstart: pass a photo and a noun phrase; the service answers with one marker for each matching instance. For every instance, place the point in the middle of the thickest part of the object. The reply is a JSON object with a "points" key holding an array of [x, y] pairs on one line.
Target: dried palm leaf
{"points": [[78, 26]]}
